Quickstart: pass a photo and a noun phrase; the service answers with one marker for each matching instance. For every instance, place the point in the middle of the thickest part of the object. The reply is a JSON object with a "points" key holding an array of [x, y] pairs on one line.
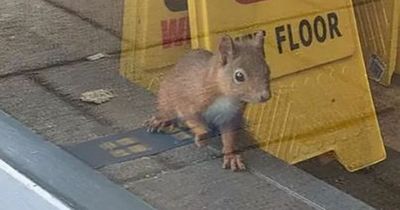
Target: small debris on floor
{"points": [[96, 57], [340, 180], [97, 96]]}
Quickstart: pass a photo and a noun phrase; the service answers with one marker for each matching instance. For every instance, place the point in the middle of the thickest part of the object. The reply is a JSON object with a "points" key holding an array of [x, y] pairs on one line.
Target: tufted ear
{"points": [[259, 40], [227, 49]]}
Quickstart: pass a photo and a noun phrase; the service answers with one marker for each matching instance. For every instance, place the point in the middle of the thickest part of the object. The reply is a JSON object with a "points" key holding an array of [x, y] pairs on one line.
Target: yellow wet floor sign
{"points": [[378, 23], [321, 99], [155, 34]]}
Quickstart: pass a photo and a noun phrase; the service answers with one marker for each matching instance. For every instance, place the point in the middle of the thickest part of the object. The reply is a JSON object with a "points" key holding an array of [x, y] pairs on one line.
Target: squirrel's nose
{"points": [[264, 96]]}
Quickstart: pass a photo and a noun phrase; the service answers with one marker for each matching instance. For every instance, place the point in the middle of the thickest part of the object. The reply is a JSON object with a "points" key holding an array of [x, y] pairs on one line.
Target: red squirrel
{"points": [[206, 88]]}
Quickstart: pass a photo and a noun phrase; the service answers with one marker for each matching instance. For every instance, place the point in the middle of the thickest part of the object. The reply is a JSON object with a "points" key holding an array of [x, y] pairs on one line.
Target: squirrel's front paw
{"points": [[234, 162], [155, 125]]}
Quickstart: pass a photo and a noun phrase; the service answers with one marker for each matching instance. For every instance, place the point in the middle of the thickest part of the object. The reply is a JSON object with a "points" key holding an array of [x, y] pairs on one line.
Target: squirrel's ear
{"points": [[259, 40], [226, 49]]}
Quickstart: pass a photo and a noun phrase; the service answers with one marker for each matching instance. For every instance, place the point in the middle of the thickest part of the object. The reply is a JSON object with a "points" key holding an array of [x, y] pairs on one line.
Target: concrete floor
{"points": [[43, 70]]}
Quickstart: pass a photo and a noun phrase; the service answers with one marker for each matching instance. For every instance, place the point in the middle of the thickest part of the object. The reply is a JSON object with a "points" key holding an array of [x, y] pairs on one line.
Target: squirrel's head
{"points": [[242, 70]]}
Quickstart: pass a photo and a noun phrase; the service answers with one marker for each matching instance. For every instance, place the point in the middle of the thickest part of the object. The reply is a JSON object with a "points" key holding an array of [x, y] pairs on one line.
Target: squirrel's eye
{"points": [[239, 76]]}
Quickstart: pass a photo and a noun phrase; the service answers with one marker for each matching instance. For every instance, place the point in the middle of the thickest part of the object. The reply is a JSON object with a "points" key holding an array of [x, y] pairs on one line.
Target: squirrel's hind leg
{"points": [[198, 127]]}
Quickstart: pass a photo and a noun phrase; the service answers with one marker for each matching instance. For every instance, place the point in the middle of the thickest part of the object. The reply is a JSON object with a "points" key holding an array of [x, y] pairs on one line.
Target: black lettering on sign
{"points": [[280, 37], [320, 28], [334, 25], [293, 45], [306, 36], [319, 24]]}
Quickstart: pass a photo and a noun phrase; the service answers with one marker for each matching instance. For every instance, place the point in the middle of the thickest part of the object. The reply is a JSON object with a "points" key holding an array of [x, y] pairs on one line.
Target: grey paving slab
{"points": [[35, 34], [47, 113], [105, 13], [134, 170], [206, 186], [130, 107], [152, 166]]}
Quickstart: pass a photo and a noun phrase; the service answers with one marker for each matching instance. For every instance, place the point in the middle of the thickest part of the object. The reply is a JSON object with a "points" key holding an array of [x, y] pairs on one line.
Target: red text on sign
{"points": [[175, 32]]}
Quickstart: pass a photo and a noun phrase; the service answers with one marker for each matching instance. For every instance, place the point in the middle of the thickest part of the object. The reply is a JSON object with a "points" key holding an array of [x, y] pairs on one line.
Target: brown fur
{"points": [[202, 82]]}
